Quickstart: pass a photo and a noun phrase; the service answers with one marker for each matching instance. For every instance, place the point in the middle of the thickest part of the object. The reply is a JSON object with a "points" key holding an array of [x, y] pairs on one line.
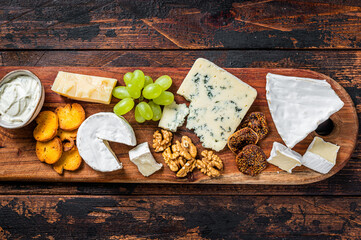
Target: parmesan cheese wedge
{"points": [[284, 158], [299, 105], [144, 160], [93, 136], [320, 155], [84, 87]]}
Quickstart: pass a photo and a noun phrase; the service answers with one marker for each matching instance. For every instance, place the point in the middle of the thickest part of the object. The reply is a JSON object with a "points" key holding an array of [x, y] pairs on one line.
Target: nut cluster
{"points": [[187, 168], [162, 140], [181, 156], [210, 165]]}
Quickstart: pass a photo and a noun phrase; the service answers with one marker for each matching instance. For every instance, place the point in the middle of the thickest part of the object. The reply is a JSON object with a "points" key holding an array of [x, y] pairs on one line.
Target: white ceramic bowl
{"points": [[37, 108]]}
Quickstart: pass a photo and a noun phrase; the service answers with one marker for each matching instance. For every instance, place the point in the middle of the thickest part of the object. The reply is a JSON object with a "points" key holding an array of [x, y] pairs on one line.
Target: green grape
{"points": [[164, 82], [157, 111], [128, 78], [133, 90], [138, 78], [147, 80], [121, 92], [145, 110], [152, 91], [138, 116], [123, 106], [165, 98]]}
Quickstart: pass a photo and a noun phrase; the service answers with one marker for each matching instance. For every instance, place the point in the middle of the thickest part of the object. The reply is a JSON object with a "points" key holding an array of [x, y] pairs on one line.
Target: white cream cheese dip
{"points": [[19, 97]]}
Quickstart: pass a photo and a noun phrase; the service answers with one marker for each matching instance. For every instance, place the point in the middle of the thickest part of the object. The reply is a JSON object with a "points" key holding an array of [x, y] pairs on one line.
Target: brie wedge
{"points": [[173, 116], [93, 136], [284, 158], [144, 160], [299, 105], [320, 155]]}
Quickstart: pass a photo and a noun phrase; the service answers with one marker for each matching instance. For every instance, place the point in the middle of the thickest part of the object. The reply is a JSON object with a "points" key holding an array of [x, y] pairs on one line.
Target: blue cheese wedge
{"points": [[284, 158], [173, 116], [299, 105], [320, 155], [144, 160], [219, 101]]}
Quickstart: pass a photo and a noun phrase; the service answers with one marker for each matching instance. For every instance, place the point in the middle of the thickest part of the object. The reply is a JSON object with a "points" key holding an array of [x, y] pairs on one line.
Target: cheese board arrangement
{"points": [[204, 125]]}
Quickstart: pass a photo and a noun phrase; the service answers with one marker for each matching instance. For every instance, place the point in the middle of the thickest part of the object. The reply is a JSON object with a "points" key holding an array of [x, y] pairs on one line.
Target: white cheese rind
{"points": [[299, 105], [219, 101], [318, 163], [144, 160], [288, 166], [173, 116], [93, 135]]}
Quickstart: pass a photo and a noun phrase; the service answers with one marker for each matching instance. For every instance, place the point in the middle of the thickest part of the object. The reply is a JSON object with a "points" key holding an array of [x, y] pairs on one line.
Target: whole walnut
{"points": [[210, 165], [162, 140]]}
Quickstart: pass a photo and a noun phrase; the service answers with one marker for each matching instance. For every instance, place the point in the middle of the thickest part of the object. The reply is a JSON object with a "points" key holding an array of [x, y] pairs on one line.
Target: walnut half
{"points": [[180, 157], [185, 148], [187, 168], [189, 146], [210, 165], [162, 140], [173, 159]]}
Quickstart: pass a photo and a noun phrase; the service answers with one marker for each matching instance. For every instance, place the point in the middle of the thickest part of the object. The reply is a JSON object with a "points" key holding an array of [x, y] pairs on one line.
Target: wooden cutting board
{"points": [[18, 161]]}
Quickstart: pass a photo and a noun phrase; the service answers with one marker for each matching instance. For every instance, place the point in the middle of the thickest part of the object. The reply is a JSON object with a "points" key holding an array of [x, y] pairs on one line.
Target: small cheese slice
{"points": [[93, 136], [320, 155], [219, 101], [284, 158], [144, 160], [299, 105], [173, 116], [84, 87]]}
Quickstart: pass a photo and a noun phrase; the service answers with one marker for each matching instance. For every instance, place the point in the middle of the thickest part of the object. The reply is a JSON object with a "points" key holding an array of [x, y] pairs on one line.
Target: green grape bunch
{"points": [[141, 87]]}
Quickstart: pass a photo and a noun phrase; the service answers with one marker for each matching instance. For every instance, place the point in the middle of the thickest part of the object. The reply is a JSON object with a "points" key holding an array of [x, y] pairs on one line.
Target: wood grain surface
{"points": [[18, 160], [179, 217], [342, 66], [319, 35], [157, 24], [332, 215]]}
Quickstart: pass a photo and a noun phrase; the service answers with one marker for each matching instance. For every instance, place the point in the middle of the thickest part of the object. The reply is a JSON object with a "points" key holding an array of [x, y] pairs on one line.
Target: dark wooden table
{"points": [[320, 35]]}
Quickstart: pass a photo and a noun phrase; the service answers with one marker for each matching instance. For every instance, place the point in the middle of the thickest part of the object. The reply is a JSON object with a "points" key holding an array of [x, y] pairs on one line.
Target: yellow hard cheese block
{"points": [[84, 87]]}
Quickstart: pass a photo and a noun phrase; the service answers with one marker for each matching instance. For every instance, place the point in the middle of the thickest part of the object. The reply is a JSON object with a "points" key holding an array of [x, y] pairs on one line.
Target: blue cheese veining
{"points": [[173, 116], [219, 101], [18, 99]]}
